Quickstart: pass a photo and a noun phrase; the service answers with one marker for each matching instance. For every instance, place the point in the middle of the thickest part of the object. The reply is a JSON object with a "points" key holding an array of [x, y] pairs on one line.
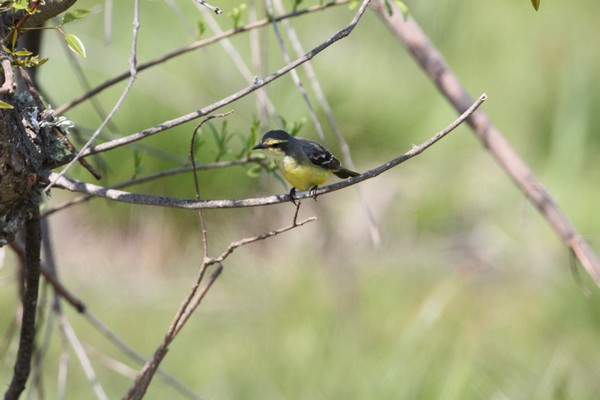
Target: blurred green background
{"points": [[470, 294]]}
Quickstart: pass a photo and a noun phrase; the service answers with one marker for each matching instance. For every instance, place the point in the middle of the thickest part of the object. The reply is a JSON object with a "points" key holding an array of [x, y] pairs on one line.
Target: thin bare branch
{"points": [[52, 279], [191, 303], [204, 233], [233, 246], [137, 357], [436, 67], [236, 57], [257, 84], [107, 21], [295, 76], [63, 369], [71, 337], [143, 380], [163, 201], [144, 179], [212, 8], [192, 146], [196, 45], [257, 52]]}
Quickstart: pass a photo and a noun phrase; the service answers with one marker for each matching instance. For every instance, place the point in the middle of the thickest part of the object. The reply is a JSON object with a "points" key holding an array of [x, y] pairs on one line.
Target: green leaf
{"points": [[236, 15], [22, 53], [200, 29], [35, 61], [258, 155], [536, 4], [388, 7], [138, 168], [75, 44], [254, 171], [20, 5], [404, 8], [5, 105], [296, 5], [294, 127], [74, 15]]}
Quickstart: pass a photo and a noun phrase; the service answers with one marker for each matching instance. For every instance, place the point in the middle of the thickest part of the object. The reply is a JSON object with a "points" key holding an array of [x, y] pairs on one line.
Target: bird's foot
{"points": [[313, 192], [293, 196]]}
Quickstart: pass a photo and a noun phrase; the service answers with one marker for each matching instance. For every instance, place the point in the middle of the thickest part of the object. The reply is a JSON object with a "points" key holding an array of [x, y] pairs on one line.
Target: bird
{"points": [[304, 163]]}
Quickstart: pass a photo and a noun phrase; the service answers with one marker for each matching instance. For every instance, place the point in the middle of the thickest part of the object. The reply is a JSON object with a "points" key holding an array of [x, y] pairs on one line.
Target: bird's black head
{"points": [[275, 139]]}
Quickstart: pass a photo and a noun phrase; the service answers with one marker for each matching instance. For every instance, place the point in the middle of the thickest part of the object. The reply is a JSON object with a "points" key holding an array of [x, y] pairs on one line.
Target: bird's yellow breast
{"points": [[301, 176]]}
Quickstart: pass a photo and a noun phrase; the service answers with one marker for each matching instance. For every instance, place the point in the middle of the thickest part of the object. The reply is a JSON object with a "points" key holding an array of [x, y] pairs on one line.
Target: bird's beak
{"points": [[259, 146]]}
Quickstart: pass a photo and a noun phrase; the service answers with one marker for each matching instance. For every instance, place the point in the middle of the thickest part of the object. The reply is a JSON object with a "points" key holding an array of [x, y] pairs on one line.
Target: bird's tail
{"points": [[345, 173]]}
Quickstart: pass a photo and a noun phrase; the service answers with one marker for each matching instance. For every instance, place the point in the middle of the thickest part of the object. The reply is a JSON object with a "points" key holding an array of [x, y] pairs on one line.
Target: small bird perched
{"points": [[304, 164]]}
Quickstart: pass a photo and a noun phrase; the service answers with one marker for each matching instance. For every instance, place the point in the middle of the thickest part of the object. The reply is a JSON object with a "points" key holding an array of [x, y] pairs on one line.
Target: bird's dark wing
{"points": [[320, 156]]}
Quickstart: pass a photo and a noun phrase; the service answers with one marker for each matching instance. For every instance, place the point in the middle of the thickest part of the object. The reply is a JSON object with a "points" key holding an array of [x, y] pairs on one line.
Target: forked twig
{"points": [[196, 293], [190, 304], [233, 246]]}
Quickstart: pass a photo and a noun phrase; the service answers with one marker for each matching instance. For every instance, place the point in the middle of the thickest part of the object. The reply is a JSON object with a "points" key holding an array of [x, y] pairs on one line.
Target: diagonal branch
{"points": [[191, 303], [194, 46], [147, 178], [163, 201], [434, 65], [233, 97]]}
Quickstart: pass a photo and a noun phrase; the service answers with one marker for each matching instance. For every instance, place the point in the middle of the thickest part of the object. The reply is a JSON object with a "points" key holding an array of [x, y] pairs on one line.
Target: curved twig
{"points": [[163, 201]]}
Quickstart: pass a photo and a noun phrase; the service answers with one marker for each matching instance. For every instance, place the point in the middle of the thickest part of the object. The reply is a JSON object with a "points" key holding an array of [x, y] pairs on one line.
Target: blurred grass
{"points": [[469, 297]]}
